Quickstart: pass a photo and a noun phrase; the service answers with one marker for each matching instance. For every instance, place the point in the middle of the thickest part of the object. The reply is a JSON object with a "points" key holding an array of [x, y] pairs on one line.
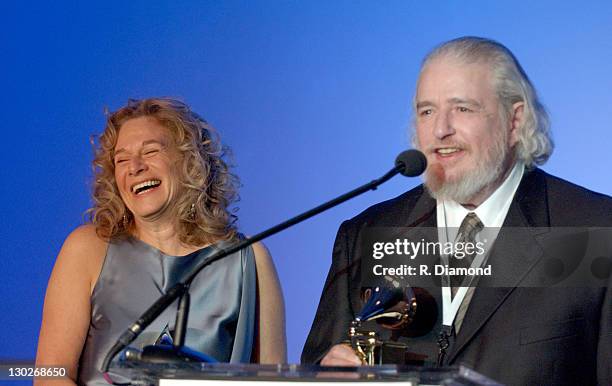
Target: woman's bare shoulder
{"points": [[84, 251], [262, 253], [66, 314], [85, 237]]}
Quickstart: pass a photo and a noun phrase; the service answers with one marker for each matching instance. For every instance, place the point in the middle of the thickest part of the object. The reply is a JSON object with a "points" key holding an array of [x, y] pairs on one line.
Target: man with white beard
{"points": [[483, 130]]}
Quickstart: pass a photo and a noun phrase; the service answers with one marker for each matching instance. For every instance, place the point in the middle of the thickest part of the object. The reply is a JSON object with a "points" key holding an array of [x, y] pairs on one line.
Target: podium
{"points": [[194, 374]]}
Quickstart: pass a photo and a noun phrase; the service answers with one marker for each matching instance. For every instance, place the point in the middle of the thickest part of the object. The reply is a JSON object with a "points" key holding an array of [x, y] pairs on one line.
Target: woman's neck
{"points": [[163, 236]]}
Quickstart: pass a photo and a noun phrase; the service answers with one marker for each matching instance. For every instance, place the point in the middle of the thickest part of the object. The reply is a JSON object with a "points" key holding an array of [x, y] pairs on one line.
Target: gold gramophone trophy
{"points": [[392, 306]]}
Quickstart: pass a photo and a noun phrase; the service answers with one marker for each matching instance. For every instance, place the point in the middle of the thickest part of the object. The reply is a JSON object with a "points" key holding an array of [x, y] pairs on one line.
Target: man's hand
{"points": [[341, 355]]}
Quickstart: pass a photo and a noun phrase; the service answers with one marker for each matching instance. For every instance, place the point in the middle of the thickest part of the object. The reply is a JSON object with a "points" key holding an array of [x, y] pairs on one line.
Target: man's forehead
{"points": [[453, 81]]}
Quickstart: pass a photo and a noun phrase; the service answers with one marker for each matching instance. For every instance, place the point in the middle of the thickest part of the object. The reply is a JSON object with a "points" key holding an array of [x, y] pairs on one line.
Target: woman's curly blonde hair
{"points": [[202, 210]]}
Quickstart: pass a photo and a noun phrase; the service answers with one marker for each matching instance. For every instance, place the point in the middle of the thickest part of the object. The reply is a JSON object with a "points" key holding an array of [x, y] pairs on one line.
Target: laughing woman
{"points": [[161, 197]]}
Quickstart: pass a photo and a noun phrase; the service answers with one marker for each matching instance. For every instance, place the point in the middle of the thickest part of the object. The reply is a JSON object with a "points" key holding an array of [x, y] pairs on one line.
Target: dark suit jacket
{"points": [[516, 335]]}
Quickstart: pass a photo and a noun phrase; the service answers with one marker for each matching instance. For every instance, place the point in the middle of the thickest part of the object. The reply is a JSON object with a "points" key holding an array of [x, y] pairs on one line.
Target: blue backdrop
{"points": [[313, 97]]}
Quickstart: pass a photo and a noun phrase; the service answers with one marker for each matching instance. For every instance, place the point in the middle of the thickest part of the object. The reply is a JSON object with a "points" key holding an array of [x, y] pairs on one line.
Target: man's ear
{"points": [[516, 121]]}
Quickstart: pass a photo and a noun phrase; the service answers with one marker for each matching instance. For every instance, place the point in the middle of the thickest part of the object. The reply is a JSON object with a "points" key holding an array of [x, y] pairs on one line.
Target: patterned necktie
{"points": [[470, 226]]}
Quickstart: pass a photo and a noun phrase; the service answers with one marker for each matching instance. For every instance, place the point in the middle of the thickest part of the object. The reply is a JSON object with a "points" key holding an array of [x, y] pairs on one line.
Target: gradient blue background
{"points": [[313, 97]]}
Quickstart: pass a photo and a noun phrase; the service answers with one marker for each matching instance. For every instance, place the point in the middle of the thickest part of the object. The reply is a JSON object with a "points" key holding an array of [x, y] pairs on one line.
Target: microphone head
{"points": [[412, 161]]}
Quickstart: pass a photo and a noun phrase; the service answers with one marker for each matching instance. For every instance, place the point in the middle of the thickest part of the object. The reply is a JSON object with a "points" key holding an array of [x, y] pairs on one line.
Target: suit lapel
{"points": [[422, 214], [514, 254]]}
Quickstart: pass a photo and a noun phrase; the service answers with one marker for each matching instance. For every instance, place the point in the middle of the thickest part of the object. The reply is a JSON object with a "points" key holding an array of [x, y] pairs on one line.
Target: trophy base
{"points": [[393, 353]]}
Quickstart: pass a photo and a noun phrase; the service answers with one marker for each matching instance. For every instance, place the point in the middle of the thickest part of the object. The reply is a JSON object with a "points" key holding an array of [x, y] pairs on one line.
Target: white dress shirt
{"points": [[492, 213]]}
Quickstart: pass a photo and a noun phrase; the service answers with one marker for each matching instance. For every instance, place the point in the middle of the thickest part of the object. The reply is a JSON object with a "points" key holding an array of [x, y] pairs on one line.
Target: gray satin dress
{"points": [[134, 275]]}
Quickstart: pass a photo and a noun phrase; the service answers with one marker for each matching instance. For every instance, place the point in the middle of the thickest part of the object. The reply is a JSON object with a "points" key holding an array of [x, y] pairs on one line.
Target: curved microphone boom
{"points": [[410, 163]]}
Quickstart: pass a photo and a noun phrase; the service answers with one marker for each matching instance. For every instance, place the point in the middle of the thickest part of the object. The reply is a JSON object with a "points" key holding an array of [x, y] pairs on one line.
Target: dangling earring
{"points": [[126, 222], [192, 212]]}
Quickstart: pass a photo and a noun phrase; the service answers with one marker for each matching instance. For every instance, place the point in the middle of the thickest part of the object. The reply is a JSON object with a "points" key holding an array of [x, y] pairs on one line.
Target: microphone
{"points": [[410, 163]]}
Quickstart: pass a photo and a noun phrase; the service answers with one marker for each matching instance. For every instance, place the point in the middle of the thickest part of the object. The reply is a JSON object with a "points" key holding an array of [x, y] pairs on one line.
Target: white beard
{"points": [[487, 170]]}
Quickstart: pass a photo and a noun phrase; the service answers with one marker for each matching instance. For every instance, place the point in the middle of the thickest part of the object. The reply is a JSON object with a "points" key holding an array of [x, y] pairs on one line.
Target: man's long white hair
{"points": [[511, 85]]}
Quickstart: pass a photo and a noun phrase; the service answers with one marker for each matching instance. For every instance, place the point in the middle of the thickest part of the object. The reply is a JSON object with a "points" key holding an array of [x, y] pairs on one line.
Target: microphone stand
{"points": [[182, 287], [176, 352]]}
